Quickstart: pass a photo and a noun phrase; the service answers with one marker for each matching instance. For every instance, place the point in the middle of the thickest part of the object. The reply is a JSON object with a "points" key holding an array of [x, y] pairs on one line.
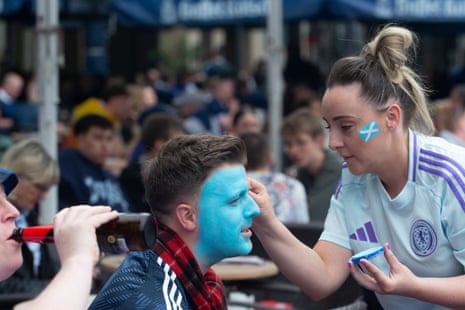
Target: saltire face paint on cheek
{"points": [[369, 131]]}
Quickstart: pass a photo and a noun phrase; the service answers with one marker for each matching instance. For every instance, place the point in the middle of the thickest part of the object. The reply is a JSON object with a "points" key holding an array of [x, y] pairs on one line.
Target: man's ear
{"points": [[187, 216]]}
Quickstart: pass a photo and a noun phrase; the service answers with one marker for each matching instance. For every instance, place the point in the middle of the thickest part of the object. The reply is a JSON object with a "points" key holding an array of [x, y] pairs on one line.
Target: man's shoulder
{"points": [[69, 157], [143, 281]]}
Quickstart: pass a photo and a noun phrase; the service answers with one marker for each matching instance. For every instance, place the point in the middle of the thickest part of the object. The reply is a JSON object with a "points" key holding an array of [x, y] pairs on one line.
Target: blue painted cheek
{"points": [[369, 131], [220, 224]]}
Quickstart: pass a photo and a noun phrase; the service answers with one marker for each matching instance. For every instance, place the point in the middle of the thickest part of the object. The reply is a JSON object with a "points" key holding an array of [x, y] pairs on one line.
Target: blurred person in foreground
{"points": [[37, 171], [198, 191], [78, 252]]}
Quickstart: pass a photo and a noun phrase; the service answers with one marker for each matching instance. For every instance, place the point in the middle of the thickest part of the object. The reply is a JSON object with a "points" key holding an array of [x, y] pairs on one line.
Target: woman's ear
{"points": [[393, 116], [186, 215]]}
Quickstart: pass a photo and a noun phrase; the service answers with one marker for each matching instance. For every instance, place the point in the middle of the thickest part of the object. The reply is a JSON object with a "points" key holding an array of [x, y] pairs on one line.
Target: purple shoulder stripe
{"points": [[338, 188], [415, 156], [447, 168], [339, 182]]}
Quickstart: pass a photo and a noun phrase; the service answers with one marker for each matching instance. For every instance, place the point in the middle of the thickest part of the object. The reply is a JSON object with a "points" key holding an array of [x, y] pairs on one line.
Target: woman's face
{"points": [[357, 130], [11, 258]]}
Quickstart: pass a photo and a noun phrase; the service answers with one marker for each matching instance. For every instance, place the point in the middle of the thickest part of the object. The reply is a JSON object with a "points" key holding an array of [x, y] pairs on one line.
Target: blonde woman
{"points": [[400, 188]]}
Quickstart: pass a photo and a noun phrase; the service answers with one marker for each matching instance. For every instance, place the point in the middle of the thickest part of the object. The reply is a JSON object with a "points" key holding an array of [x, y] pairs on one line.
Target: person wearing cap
{"points": [[37, 171], [115, 106], [78, 252]]}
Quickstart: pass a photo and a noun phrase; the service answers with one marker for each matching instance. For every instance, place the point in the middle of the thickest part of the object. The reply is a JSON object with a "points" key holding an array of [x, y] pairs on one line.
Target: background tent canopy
{"points": [[408, 11], [207, 12], [8, 7], [227, 12], [11, 8]]}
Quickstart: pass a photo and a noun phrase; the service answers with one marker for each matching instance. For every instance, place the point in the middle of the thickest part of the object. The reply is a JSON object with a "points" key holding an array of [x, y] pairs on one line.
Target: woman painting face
{"points": [[11, 257], [225, 216], [357, 130]]}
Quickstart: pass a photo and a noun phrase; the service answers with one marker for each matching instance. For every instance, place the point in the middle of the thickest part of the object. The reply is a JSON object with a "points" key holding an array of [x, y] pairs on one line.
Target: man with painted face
{"points": [[198, 191]]}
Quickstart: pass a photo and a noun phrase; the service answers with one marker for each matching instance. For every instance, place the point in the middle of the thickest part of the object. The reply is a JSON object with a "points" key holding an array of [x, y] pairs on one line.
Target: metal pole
{"points": [[274, 78], [47, 80]]}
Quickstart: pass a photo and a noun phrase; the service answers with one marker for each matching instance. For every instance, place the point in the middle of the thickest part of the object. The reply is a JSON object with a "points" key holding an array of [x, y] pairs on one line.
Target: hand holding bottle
{"points": [[74, 231], [76, 242]]}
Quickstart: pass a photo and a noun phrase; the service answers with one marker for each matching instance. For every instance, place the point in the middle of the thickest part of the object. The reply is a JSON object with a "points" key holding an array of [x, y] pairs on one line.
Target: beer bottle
{"points": [[129, 232]]}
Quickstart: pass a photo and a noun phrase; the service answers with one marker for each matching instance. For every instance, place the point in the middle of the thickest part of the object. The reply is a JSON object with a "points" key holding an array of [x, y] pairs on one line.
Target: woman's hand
{"points": [[399, 281], [259, 193]]}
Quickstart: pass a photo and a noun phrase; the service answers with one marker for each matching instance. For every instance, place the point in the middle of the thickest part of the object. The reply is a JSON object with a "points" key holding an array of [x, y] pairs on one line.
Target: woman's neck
{"points": [[394, 173]]}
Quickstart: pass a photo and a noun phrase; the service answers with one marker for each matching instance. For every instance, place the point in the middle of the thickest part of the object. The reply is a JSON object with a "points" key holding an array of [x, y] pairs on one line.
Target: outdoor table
{"points": [[229, 270]]}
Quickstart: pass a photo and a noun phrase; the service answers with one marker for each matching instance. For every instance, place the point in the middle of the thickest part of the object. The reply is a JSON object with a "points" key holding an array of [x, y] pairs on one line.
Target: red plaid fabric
{"points": [[206, 291]]}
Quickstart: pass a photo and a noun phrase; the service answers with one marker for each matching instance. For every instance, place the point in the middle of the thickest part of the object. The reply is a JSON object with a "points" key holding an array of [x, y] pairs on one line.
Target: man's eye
{"points": [[235, 201]]}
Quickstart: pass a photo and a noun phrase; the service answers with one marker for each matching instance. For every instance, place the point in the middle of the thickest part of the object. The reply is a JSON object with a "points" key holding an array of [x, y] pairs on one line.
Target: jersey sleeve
{"points": [[335, 229]]}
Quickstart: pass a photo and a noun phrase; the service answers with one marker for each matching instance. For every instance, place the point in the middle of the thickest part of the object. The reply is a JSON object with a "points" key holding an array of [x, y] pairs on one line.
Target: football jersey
{"points": [[144, 281], [424, 223]]}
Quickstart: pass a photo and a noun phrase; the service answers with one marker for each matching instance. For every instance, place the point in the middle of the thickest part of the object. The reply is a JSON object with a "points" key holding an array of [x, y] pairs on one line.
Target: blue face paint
{"points": [[225, 216], [369, 131]]}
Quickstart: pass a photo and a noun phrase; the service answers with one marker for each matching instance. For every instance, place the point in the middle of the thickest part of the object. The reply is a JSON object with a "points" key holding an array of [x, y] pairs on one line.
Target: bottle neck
{"points": [[38, 234]]}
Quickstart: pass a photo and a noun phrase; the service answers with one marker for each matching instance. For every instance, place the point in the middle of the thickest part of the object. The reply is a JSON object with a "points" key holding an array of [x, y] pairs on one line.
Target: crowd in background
{"points": [[109, 128]]}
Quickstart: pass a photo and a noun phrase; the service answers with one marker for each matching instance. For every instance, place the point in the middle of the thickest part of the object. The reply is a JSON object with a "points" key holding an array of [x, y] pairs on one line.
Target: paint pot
{"points": [[375, 255]]}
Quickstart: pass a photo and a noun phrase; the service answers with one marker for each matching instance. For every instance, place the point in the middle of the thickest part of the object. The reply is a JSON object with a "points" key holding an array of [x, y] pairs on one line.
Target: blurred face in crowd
{"points": [[11, 258], [28, 193], [149, 97], [225, 91], [13, 85], [302, 149], [95, 144], [120, 107], [249, 122]]}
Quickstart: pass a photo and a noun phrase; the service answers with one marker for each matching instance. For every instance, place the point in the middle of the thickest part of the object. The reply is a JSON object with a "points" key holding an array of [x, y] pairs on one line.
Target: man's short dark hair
{"points": [[182, 165], [83, 125], [114, 91]]}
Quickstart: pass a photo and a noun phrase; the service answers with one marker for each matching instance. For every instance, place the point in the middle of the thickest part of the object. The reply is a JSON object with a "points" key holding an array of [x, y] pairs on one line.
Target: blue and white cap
{"points": [[8, 179]]}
